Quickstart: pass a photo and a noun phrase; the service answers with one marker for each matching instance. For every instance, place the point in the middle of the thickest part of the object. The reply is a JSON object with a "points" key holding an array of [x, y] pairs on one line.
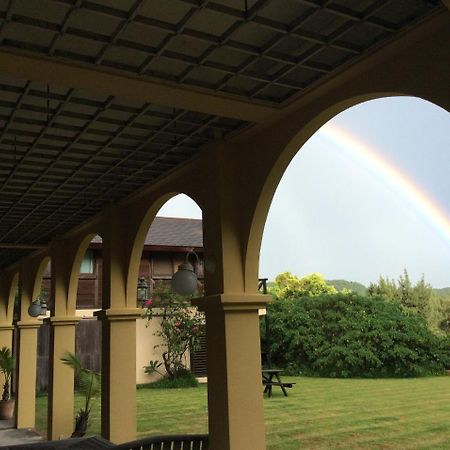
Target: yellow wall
{"points": [[145, 341]]}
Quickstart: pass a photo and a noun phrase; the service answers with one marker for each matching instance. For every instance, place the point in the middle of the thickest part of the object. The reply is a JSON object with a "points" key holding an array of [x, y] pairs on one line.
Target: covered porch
{"points": [[109, 109]]}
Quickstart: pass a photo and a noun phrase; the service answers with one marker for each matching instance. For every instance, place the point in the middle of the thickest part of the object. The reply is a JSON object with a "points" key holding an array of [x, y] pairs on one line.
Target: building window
{"points": [[87, 265]]}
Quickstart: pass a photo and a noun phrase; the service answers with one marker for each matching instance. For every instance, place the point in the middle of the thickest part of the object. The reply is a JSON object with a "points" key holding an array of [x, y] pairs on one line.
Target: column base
{"points": [[119, 373], [61, 377], [235, 399], [26, 373]]}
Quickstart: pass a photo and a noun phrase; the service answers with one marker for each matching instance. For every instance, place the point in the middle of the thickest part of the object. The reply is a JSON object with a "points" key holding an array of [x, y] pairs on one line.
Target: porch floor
{"points": [[12, 436]]}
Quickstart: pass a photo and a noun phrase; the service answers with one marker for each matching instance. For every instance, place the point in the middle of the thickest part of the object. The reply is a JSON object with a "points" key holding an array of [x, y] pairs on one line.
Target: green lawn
{"points": [[318, 414]]}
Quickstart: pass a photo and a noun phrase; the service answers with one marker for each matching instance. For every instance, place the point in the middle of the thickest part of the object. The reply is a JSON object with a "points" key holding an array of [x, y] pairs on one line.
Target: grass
{"points": [[384, 414]]}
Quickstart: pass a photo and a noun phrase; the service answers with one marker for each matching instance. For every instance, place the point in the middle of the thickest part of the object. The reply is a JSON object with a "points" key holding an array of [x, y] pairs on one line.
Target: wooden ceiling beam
{"points": [[25, 66], [15, 246]]}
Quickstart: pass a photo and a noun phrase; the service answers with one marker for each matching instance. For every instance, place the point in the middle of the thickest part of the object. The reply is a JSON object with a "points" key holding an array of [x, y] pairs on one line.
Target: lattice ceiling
{"points": [[65, 153], [262, 49]]}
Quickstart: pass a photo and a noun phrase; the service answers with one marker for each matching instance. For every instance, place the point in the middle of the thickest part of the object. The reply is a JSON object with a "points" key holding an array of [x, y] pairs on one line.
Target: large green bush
{"points": [[346, 335]]}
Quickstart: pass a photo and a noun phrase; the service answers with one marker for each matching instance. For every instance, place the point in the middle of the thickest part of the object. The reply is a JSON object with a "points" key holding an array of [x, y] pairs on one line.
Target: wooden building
{"points": [[168, 241]]}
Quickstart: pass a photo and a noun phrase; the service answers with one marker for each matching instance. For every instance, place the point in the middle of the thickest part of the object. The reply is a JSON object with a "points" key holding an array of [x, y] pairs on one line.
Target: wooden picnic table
{"points": [[270, 378]]}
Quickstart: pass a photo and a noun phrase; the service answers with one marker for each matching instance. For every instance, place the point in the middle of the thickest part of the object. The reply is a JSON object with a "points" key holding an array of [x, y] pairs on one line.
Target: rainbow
{"points": [[369, 156]]}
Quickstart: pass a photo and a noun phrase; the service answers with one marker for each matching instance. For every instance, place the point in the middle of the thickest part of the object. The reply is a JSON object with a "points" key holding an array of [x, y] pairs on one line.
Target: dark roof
{"points": [[172, 232]]}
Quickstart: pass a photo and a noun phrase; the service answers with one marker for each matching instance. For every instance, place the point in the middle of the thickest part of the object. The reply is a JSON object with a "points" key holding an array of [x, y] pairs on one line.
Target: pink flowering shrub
{"points": [[181, 327]]}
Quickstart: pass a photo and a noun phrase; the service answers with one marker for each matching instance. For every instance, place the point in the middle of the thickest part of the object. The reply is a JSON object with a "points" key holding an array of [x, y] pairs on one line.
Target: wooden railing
{"points": [[174, 442]]}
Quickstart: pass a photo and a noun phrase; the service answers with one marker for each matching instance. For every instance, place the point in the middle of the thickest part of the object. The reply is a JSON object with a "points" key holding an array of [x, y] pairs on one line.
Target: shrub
{"points": [[183, 379], [346, 335], [180, 329]]}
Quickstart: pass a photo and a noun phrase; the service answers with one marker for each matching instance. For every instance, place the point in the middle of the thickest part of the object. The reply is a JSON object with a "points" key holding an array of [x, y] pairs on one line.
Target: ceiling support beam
{"points": [[92, 79], [7, 245]]}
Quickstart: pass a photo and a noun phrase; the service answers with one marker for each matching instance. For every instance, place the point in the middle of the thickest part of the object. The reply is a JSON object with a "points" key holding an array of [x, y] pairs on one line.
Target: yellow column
{"points": [[30, 278], [119, 374], [6, 339], [61, 378], [235, 399], [6, 336], [118, 318], [231, 303], [26, 373], [8, 286], [65, 256]]}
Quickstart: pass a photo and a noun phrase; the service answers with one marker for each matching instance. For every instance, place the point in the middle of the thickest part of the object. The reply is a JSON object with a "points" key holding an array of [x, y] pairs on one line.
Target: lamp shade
{"points": [[35, 309], [184, 281]]}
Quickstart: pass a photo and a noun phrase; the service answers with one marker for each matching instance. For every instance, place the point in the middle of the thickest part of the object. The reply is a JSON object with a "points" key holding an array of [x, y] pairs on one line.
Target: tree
{"points": [[438, 314], [416, 298], [180, 330], [287, 285], [420, 298]]}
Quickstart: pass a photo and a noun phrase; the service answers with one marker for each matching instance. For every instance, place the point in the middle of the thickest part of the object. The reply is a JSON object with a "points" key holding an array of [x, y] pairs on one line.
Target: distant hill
{"points": [[353, 286], [442, 291]]}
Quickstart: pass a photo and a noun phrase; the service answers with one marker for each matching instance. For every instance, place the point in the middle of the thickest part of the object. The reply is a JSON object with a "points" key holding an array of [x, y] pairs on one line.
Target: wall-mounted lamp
{"points": [[38, 308], [184, 281], [142, 291]]}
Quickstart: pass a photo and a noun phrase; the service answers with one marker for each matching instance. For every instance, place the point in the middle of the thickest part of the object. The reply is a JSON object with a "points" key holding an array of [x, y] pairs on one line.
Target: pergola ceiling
{"points": [[65, 153], [262, 49]]}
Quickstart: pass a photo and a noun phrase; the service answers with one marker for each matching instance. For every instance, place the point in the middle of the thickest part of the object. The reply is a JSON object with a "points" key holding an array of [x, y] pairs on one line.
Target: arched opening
{"points": [[367, 195], [172, 231], [32, 301], [360, 164], [80, 294]]}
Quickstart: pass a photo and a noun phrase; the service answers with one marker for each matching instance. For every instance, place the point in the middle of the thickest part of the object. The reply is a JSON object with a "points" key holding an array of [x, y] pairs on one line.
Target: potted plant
{"points": [[6, 369]]}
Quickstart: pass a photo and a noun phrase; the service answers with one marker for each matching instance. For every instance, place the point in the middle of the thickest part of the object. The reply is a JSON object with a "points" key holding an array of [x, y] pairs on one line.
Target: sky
{"points": [[367, 195]]}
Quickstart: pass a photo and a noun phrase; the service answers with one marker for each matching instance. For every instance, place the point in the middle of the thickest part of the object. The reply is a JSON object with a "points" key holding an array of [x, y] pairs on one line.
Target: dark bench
{"points": [[275, 383], [89, 443], [268, 387], [174, 442]]}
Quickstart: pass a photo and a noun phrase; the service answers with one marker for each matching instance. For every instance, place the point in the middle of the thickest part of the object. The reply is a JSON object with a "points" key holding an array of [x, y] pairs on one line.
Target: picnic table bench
{"points": [[270, 378]]}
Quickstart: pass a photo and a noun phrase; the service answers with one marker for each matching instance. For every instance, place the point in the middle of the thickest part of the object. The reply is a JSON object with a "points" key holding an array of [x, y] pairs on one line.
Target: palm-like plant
{"points": [[7, 364], [89, 384]]}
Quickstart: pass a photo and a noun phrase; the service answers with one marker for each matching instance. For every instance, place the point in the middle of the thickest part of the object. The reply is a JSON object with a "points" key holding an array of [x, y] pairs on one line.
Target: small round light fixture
{"points": [[37, 308], [142, 291], [185, 281]]}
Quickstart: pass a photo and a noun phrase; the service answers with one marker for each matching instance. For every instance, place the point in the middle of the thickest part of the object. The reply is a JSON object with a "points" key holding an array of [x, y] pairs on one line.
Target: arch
{"points": [[39, 274], [8, 287], [284, 154], [81, 246], [13, 286], [30, 281], [139, 240]]}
